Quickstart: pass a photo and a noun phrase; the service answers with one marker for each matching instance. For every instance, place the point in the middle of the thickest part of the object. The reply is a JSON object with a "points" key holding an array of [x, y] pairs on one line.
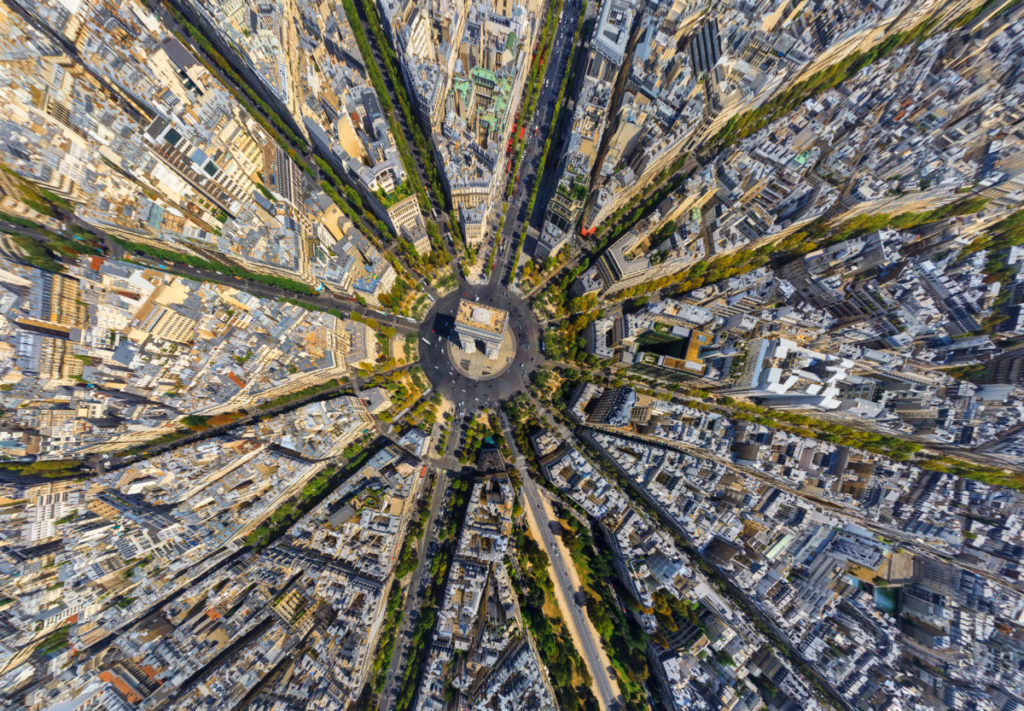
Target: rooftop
{"points": [[479, 316]]}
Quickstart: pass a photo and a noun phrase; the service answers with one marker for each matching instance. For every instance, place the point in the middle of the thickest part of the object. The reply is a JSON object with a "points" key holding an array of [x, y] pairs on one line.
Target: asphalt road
{"points": [[555, 66], [413, 598], [437, 330], [323, 300], [107, 461], [592, 657], [738, 595]]}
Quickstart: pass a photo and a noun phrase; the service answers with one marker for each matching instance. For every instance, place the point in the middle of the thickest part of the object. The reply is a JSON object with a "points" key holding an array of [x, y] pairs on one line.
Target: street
{"points": [[412, 593], [323, 300], [555, 66], [436, 331], [573, 613], [110, 461]]}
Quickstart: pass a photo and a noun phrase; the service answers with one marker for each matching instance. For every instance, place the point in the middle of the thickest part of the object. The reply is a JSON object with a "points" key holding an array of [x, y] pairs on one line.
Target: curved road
{"points": [[437, 329]]}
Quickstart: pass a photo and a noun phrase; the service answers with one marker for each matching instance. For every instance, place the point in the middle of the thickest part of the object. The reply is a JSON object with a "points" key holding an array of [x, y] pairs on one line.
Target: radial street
{"points": [[580, 627], [438, 330]]}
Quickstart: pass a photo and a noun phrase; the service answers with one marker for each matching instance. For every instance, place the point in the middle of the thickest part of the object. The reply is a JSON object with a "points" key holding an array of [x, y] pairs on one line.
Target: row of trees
{"points": [[341, 316], [531, 91], [816, 235], [1005, 234], [282, 132], [424, 149], [422, 633], [978, 472], [550, 30], [393, 614], [390, 61], [315, 491], [49, 468], [35, 253], [193, 424], [377, 79], [407, 557], [624, 639], [227, 269], [554, 643], [306, 392], [264, 114], [831, 432], [388, 637], [749, 122], [348, 201], [822, 692], [43, 252], [668, 181], [352, 206], [343, 194]]}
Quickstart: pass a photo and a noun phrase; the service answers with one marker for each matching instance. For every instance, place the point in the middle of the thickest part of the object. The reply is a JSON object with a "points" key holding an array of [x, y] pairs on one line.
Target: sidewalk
{"points": [[564, 606]]}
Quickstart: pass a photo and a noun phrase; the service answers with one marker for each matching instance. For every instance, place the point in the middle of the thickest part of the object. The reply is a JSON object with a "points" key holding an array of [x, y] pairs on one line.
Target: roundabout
{"points": [[476, 365], [487, 372]]}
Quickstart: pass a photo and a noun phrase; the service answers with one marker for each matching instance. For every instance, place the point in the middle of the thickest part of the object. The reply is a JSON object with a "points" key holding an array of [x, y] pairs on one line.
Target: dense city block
{"points": [[480, 355]]}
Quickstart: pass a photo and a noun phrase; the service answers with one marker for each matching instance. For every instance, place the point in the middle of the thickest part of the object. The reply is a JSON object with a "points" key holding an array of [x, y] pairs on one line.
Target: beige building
{"points": [[158, 317], [478, 324], [407, 220]]}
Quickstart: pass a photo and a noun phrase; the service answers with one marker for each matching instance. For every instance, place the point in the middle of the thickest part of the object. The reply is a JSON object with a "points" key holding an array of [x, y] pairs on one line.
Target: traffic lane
{"points": [[545, 103], [412, 591], [523, 219], [268, 291], [593, 657], [433, 347], [567, 31], [112, 461]]}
